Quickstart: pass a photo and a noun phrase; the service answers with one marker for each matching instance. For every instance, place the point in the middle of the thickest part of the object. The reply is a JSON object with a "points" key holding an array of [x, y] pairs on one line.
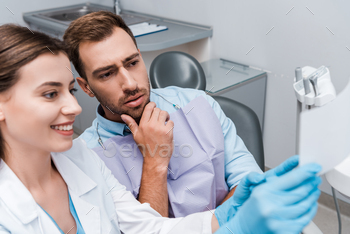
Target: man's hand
{"points": [[154, 137]]}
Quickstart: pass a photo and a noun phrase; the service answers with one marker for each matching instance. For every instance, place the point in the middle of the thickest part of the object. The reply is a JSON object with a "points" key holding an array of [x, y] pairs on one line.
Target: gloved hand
{"points": [[284, 167], [229, 208], [284, 204]]}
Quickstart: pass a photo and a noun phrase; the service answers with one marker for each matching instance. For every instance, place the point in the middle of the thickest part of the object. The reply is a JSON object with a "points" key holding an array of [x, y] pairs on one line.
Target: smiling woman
{"points": [[18, 47], [37, 111]]}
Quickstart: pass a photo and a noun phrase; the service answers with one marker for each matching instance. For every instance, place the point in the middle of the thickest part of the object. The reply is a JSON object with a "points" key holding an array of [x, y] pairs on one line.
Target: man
{"points": [[105, 54]]}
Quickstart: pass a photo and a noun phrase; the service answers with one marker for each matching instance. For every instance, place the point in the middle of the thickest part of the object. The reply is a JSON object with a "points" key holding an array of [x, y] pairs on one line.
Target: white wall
{"points": [[299, 38]]}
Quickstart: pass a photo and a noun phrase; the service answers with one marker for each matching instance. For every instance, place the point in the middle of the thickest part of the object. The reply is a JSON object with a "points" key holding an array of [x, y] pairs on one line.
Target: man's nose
{"points": [[128, 82]]}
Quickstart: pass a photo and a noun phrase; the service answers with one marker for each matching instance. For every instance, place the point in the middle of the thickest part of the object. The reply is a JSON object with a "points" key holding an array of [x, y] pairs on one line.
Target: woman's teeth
{"points": [[63, 127]]}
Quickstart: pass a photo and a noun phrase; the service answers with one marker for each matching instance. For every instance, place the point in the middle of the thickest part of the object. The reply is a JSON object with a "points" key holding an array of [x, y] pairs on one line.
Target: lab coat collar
{"points": [[76, 180], [16, 196], [79, 185]]}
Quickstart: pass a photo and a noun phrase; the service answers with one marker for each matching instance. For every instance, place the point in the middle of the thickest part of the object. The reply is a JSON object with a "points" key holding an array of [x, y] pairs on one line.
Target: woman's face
{"points": [[39, 110]]}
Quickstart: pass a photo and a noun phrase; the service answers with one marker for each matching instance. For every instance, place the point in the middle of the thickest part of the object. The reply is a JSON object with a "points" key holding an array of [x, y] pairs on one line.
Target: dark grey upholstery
{"points": [[178, 69], [247, 126]]}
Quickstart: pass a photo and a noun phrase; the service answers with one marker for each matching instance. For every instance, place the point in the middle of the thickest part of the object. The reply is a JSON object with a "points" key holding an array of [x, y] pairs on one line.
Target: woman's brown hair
{"points": [[19, 46]]}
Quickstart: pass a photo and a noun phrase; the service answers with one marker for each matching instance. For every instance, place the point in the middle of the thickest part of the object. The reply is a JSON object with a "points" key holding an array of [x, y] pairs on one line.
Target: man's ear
{"points": [[85, 86], [2, 115]]}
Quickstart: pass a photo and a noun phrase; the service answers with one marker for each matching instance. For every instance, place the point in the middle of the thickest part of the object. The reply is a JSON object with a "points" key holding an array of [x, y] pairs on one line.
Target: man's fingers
{"points": [[164, 116], [155, 115], [130, 122], [284, 167], [147, 112], [296, 177]]}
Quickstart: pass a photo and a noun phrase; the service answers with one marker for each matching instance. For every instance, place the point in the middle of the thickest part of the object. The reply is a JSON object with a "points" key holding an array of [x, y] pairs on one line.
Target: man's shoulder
{"points": [[182, 95], [176, 91]]}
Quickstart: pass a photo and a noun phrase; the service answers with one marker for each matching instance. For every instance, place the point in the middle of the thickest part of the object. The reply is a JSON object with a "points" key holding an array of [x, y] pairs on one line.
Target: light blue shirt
{"points": [[80, 229], [238, 160]]}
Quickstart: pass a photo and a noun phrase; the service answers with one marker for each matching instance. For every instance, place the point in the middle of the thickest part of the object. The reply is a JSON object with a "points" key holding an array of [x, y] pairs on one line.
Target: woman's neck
{"points": [[32, 166]]}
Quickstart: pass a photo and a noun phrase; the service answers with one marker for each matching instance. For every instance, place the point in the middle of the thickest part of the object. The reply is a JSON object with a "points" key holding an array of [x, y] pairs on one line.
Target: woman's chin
{"points": [[62, 146]]}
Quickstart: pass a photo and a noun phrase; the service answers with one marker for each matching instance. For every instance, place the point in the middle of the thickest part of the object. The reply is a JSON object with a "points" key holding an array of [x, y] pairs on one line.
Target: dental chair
{"points": [[247, 126], [182, 70], [177, 69]]}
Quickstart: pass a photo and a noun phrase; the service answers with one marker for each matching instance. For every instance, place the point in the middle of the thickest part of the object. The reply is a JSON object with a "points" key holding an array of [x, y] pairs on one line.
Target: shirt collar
{"points": [[110, 126], [74, 177]]}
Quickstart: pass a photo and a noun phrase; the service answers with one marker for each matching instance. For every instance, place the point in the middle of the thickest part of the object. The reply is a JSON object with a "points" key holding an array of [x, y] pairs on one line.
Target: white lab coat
{"points": [[101, 202]]}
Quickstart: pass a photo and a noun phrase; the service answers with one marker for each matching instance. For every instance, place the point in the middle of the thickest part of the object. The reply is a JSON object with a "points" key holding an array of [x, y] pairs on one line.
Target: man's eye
{"points": [[133, 63], [73, 91], [50, 95], [106, 75]]}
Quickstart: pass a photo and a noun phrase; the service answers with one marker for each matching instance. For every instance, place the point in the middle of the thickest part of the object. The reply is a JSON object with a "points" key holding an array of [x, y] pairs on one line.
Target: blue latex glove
{"points": [[284, 204], [284, 167], [229, 208]]}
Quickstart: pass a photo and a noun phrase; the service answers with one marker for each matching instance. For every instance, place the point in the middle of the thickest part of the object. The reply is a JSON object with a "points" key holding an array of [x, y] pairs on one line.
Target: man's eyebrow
{"points": [[101, 69], [56, 84], [130, 57]]}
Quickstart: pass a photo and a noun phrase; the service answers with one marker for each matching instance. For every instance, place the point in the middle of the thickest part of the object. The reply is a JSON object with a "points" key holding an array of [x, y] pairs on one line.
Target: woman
{"points": [[44, 191]]}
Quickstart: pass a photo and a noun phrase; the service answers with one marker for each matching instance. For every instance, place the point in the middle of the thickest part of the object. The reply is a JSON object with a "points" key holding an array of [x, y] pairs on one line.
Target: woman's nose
{"points": [[71, 106]]}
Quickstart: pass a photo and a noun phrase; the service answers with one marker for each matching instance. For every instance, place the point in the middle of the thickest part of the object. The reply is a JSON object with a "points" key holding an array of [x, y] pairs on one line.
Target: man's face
{"points": [[116, 74]]}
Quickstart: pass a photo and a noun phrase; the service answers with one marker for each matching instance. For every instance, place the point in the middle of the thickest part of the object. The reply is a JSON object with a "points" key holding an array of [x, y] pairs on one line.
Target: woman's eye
{"points": [[73, 91], [50, 95]]}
